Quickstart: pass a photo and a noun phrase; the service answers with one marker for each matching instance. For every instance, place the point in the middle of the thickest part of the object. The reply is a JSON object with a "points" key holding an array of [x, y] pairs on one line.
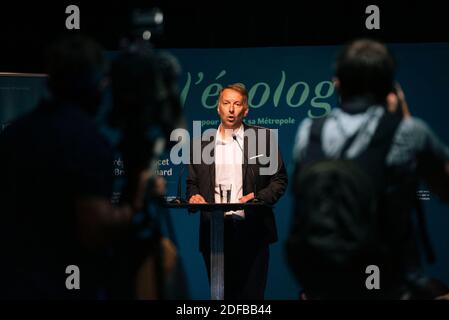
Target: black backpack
{"points": [[337, 229]]}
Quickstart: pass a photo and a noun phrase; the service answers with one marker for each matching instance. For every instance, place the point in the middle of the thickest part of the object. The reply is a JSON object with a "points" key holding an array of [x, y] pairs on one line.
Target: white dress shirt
{"points": [[228, 167]]}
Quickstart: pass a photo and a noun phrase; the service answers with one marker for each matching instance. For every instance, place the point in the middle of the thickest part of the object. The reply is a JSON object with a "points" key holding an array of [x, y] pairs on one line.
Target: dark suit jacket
{"points": [[260, 223]]}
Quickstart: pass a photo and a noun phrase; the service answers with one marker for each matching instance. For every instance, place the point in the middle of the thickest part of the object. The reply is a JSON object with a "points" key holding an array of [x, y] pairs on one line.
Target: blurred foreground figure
{"points": [[146, 108], [57, 182], [355, 183]]}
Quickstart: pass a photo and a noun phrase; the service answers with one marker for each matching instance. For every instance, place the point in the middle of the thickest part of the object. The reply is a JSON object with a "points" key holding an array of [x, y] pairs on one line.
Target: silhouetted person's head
{"points": [[76, 66], [365, 68], [137, 89]]}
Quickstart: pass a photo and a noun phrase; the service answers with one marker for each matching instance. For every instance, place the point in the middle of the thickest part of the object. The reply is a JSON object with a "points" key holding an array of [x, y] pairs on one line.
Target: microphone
{"points": [[178, 198], [254, 176]]}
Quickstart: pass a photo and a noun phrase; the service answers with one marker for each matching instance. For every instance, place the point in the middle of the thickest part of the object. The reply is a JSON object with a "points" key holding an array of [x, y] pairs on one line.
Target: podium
{"points": [[216, 238]]}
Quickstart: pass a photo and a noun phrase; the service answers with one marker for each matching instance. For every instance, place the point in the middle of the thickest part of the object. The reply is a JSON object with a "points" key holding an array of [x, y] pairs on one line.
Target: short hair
{"points": [[75, 65], [240, 88], [365, 68]]}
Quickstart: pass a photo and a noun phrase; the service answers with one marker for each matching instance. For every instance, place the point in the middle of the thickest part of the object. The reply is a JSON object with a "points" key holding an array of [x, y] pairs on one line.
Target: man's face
{"points": [[231, 109]]}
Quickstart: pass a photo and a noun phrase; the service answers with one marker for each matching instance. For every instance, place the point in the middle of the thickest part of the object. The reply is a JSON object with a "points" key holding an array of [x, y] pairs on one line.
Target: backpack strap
{"points": [[314, 147], [385, 132], [373, 159], [314, 151]]}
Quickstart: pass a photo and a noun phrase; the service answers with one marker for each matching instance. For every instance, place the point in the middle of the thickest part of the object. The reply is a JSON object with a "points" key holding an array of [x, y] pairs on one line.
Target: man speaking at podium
{"points": [[248, 232]]}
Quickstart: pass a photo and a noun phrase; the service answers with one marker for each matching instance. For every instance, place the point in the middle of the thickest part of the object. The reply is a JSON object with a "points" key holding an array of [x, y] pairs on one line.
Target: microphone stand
{"points": [[178, 198]]}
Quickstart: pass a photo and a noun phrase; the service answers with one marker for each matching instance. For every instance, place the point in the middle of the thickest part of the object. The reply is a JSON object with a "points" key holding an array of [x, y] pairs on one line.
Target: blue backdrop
{"points": [[289, 84], [286, 84]]}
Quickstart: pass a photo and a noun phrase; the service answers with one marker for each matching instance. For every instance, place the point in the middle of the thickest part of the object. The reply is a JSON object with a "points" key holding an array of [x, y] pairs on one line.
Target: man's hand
{"points": [[197, 198], [248, 197], [398, 99], [402, 101]]}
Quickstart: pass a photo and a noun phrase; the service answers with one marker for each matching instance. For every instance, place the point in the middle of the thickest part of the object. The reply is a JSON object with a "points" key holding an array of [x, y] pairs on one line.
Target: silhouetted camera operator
{"points": [[146, 108], [57, 184]]}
